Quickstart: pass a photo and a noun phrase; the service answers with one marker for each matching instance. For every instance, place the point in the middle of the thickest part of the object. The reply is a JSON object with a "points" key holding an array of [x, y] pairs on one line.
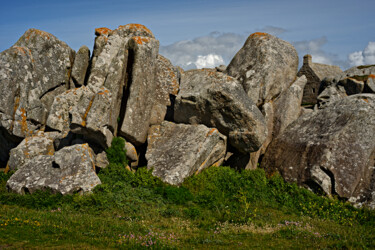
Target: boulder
{"points": [[217, 100], [265, 66], [177, 151], [80, 66], [136, 119], [131, 154], [84, 111], [38, 144], [101, 160], [69, 170], [332, 149], [167, 84]]}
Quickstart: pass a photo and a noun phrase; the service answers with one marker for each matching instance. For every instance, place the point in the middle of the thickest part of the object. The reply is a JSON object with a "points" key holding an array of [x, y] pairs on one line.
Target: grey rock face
{"points": [[81, 63], [32, 72], [109, 72], [336, 142], [30, 147], [218, 100], [356, 80], [265, 66], [281, 112], [177, 151], [83, 111], [167, 83], [140, 99], [71, 169]]}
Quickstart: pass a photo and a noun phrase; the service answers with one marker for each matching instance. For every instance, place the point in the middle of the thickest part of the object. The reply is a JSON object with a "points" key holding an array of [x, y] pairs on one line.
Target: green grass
{"points": [[218, 209]]}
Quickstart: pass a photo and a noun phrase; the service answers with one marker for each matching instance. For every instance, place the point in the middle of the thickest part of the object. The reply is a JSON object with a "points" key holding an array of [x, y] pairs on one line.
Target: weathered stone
{"points": [[37, 67], [131, 152], [71, 169], [177, 151], [84, 111], [167, 84], [101, 160], [101, 40], [331, 94], [133, 29], [80, 66], [281, 112], [30, 147], [265, 66], [109, 72], [221, 68], [370, 84], [143, 52], [217, 100], [352, 86], [336, 142]]}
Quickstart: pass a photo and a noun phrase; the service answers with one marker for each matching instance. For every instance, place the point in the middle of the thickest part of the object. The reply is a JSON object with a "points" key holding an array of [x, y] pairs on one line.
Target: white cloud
{"points": [[205, 51], [356, 58], [209, 61], [367, 56]]}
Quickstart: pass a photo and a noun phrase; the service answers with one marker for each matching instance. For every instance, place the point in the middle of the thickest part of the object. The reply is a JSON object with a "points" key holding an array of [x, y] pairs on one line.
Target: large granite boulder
{"points": [[177, 151], [265, 66], [32, 72], [69, 170], [136, 119], [332, 149], [217, 100]]}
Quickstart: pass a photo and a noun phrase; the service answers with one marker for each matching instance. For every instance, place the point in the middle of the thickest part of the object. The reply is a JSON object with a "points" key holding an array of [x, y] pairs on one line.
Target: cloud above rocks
{"points": [[205, 51], [367, 56]]}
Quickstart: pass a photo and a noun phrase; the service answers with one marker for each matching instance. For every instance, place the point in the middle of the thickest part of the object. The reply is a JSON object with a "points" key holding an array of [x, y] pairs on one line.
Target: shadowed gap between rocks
{"points": [[52, 89], [126, 89], [7, 142]]}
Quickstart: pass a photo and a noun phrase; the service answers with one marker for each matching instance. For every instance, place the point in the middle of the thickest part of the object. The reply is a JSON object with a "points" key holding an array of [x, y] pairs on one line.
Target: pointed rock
{"points": [[265, 66]]}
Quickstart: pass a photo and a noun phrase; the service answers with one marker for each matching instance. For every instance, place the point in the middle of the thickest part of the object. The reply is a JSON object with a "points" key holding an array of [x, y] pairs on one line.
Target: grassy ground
{"points": [[218, 209]]}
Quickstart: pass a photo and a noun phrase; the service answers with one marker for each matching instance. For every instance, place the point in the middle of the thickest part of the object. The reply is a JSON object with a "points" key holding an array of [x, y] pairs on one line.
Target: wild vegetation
{"points": [[219, 208]]}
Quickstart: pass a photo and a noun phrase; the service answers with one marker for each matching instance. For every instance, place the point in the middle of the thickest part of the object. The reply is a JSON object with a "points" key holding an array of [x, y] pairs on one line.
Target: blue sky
{"points": [[206, 32]]}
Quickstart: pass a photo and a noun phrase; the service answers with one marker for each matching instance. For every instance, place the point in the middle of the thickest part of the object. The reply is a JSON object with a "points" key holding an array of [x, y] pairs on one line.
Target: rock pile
{"points": [[60, 110]]}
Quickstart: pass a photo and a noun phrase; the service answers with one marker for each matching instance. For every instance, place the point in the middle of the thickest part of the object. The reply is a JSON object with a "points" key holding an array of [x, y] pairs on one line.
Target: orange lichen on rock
{"points": [[37, 32], [23, 120], [20, 49], [259, 34], [103, 31], [83, 123], [213, 130], [135, 27], [140, 40], [371, 76]]}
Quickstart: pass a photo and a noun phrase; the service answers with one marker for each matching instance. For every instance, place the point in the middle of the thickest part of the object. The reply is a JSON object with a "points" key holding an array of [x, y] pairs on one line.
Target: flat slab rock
{"points": [[69, 170], [177, 151], [332, 148]]}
